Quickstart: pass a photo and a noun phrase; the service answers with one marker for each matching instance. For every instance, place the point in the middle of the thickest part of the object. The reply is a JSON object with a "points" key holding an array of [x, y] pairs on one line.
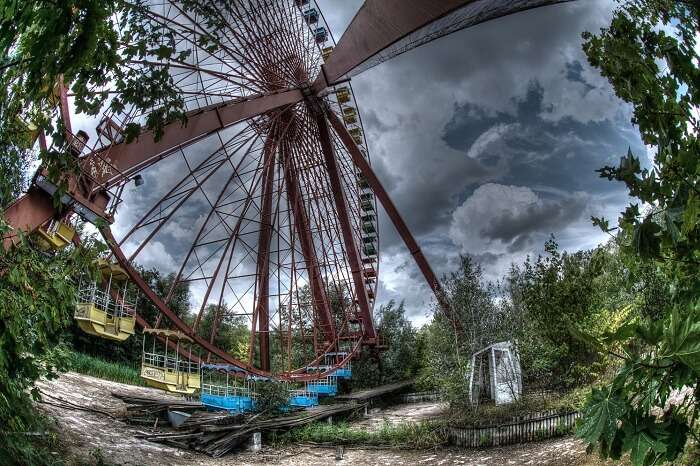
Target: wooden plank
{"points": [[376, 392]]}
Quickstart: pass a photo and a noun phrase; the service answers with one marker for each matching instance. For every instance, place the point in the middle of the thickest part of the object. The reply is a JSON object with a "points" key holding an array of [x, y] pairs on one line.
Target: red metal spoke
{"points": [[347, 231]]}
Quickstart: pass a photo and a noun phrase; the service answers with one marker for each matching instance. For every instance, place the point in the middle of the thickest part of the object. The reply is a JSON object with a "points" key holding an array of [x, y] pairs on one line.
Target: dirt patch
{"points": [[393, 415], [82, 432]]}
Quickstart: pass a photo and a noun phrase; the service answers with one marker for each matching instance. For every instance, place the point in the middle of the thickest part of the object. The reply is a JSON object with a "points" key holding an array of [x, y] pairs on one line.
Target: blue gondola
{"points": [[311, 16], [302, 399], [227, 387], [320, 34], [344, 371], [327, 386]]}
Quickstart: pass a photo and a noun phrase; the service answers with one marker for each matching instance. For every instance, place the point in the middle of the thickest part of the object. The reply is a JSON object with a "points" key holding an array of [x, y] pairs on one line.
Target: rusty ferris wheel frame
{"points": [[269, 126]]}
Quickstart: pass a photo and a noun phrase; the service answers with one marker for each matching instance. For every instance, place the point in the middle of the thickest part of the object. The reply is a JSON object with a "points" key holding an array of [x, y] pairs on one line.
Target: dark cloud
{"points": [[574, 73], [548, 216], [512, 104]]}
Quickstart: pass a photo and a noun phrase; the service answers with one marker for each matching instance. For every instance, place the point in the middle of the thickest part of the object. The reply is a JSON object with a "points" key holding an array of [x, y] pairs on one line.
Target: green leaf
{"points": [[645, 239], [600, 415], [691, 214], [640, 444], [671, 227], [683, 339]]}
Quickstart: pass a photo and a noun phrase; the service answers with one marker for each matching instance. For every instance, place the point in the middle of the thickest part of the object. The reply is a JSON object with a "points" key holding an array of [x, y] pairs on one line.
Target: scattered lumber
{"points": [[208, 434]]}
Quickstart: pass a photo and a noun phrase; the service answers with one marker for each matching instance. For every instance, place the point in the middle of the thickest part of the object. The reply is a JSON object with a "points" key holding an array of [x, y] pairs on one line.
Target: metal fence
{"points": [[538, 428]]}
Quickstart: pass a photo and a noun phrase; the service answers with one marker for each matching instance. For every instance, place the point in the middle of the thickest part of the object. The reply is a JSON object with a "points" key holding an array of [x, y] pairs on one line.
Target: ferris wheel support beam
{"points": [[125, 159], [348, 236], [393, 213], [377, 25], [383, 29], [303, 229], [27, 213], [263, 260]]}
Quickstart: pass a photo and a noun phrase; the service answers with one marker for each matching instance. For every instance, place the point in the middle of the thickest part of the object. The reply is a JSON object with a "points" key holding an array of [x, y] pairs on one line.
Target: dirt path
{"points": [[82, 432], [411, 412]]}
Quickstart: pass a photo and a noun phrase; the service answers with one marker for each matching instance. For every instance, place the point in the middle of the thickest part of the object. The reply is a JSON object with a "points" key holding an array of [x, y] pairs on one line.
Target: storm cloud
{"points": [[488, 141]]}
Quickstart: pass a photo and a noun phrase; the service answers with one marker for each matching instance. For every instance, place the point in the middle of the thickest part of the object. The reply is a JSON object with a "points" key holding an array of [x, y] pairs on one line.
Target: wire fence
{"points": [[536, 428]]}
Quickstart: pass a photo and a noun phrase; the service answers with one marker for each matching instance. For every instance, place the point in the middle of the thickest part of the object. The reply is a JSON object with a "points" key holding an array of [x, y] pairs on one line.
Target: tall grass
{"points": [[96, 367], [416, 435]]}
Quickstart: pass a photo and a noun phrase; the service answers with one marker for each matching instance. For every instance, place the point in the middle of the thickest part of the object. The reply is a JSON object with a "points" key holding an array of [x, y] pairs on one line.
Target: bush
{"points": [[272, 397], [37, 301]]}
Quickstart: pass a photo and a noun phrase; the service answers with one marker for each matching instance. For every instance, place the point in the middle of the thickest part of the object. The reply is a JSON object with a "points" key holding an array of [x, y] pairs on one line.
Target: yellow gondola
{"points": [[349, 115], [55, 236], [356, 134], [343, 94], [326, 53], [106, 313], [168, 369]]}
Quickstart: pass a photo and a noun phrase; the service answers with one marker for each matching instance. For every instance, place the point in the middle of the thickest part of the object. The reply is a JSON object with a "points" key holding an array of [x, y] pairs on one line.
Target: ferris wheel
{"points": [[264, 203]]}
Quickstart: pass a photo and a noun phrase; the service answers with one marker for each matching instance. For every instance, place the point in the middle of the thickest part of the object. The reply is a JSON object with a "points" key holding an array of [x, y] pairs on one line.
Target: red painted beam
{"points": [[28, 213], [127, 159], [263, 259], [379, 24], [36, 207], [391, 210], [348, 237]]}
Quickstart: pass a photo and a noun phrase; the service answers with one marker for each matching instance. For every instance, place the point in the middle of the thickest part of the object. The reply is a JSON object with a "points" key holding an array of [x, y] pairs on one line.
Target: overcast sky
{"points": [[488, 141]]}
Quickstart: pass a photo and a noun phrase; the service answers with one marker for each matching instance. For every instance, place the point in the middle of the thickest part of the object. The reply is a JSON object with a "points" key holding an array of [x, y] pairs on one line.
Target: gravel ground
{"points": [[84, 431]]}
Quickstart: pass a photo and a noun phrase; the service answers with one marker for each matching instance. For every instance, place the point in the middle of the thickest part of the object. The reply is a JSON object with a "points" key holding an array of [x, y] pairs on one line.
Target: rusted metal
{"points": [[383, 29], [126, 159], [348, 234], [393, 213], [28, 213], [263, 260], [377, 25]]}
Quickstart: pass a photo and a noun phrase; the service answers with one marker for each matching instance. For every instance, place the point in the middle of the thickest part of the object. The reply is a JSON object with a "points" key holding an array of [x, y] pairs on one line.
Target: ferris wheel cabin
{"points": [[227, 387], [105, 310], [56, 235], [167, 363]]}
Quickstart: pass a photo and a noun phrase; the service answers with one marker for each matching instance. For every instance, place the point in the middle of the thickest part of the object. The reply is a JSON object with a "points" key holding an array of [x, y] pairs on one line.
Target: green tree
{"points": [[557, 292], [232, 330], [37, 301], [649, 55], [92, 46], [398, 358], [449, 345]]}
